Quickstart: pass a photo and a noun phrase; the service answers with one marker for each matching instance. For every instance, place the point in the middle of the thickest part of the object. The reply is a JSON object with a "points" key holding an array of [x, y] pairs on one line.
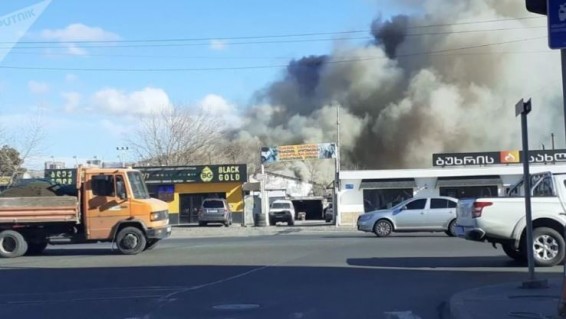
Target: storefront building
{"points": [[461, 175], [185, 187]]}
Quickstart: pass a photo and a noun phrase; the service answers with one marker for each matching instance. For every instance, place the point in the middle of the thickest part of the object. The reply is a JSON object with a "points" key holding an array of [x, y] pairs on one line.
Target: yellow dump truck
{"points": [[109, 205]]}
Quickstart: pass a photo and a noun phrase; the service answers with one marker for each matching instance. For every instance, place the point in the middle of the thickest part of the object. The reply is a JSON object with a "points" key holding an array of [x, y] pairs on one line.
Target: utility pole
{"points": [[261, 220], [336, 204]]}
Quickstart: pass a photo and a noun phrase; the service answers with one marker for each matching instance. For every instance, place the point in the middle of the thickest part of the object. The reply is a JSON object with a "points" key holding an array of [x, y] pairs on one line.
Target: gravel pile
{"points": [[30, 190]]}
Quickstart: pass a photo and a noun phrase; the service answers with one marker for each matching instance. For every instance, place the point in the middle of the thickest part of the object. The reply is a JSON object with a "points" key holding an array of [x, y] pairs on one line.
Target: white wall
{"points": [[351, 200]]}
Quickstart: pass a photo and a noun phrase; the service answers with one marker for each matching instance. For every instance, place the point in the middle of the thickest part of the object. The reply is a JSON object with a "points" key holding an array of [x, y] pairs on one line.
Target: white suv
{"points": [[282, 211]]}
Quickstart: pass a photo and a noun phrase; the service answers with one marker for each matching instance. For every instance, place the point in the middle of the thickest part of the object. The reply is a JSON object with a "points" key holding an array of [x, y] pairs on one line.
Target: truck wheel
{"points": [[131, 241], [36, 248], [548, 246], [12, 244], [291, 222], [151, 243], [513, 253], [382, 228], [272, 222]]}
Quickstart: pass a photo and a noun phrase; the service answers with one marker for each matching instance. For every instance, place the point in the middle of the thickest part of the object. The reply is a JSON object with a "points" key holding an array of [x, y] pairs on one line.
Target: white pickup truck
{"points": [[501, 220]]}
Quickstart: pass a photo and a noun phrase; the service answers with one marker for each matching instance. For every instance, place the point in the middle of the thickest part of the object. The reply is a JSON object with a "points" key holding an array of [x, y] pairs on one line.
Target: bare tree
{"points": [[176, 137], [20, 146]]}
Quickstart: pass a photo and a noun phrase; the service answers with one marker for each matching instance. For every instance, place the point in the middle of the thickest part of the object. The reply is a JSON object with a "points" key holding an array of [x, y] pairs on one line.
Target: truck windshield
{"points": [[139, 190]]}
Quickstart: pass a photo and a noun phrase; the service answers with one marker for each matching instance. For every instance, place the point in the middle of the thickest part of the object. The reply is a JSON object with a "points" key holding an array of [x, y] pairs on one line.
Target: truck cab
{"points": [[116, 199]]}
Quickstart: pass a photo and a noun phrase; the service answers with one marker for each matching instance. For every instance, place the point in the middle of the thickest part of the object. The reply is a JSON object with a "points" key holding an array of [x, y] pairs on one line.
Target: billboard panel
{"points": [[297, 152]]}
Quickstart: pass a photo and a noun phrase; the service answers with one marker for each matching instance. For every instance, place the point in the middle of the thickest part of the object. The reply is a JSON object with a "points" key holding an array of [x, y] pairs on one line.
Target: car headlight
{"points": [[160, 215]]}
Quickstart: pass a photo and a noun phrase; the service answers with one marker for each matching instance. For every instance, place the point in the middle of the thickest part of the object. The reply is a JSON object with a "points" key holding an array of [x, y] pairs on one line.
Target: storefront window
{"points": [[385, 198]]}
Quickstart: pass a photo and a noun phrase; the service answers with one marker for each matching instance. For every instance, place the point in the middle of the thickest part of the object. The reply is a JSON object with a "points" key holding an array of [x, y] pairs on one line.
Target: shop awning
{"points": [[469, 181], [388, 183]]}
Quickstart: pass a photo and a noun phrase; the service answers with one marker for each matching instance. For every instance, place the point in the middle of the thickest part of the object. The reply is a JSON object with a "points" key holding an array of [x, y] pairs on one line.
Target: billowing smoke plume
{"points": [[416, 90], [390, 33]]}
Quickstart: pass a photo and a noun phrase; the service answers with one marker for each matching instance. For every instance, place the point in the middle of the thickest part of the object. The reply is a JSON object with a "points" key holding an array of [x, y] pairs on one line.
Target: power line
{"points": [[153, 45], [257, 57], [478, 22], [290, 35], [259, 66], [367, 38], [180, 57]]}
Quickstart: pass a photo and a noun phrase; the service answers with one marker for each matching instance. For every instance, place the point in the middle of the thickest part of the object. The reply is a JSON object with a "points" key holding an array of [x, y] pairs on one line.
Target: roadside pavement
{"points": [[508, 300], [192, 230]]}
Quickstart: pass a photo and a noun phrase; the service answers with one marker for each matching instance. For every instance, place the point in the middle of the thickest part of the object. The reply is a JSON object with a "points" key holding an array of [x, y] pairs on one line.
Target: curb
{"points": [[457, 304]]}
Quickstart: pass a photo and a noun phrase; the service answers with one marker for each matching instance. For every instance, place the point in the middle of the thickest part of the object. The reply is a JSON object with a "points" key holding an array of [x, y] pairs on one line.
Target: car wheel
{"points": [[12, 244], [131, 241], [513, 253], [451, 229], [383, 228], [548, 247]]}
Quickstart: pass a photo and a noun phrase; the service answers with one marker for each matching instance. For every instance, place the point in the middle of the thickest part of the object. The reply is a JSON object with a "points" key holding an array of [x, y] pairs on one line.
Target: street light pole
{"points": [[121, 150]]}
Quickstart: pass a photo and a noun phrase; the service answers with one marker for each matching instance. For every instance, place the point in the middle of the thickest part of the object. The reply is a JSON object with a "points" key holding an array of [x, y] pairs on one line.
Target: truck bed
{"points": [[39, 209]]}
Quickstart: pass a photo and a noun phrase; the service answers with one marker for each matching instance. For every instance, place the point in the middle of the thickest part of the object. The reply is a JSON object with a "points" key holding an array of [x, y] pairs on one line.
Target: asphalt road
{"points": [[322, 275]]}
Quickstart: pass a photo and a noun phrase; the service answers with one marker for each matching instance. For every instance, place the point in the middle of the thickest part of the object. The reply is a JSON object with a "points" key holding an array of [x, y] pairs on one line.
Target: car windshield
{"points": [[280, 205], [213, 204], [139, 189], [401, 204]]}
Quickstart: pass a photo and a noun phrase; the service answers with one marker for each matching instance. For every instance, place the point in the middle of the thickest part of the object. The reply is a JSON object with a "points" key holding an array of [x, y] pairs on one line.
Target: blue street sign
{"points": [[556, 24]]}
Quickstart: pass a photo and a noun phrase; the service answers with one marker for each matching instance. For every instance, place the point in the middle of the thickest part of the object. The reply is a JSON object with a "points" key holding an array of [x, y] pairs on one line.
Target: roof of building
{"points": [[449, 172]]}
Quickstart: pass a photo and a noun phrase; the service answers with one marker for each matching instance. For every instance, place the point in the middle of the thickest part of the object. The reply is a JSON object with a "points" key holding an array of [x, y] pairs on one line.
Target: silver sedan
{"points": [[431, 214]]}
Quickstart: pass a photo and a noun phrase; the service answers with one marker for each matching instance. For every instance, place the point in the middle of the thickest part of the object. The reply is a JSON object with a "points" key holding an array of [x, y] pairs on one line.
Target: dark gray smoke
{"points": [[407, 97], [390, 33], [297, 91]]}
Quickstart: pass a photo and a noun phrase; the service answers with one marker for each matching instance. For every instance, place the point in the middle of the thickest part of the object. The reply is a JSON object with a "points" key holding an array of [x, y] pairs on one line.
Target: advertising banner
{"points": [[195, 174], [297, 152]]}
